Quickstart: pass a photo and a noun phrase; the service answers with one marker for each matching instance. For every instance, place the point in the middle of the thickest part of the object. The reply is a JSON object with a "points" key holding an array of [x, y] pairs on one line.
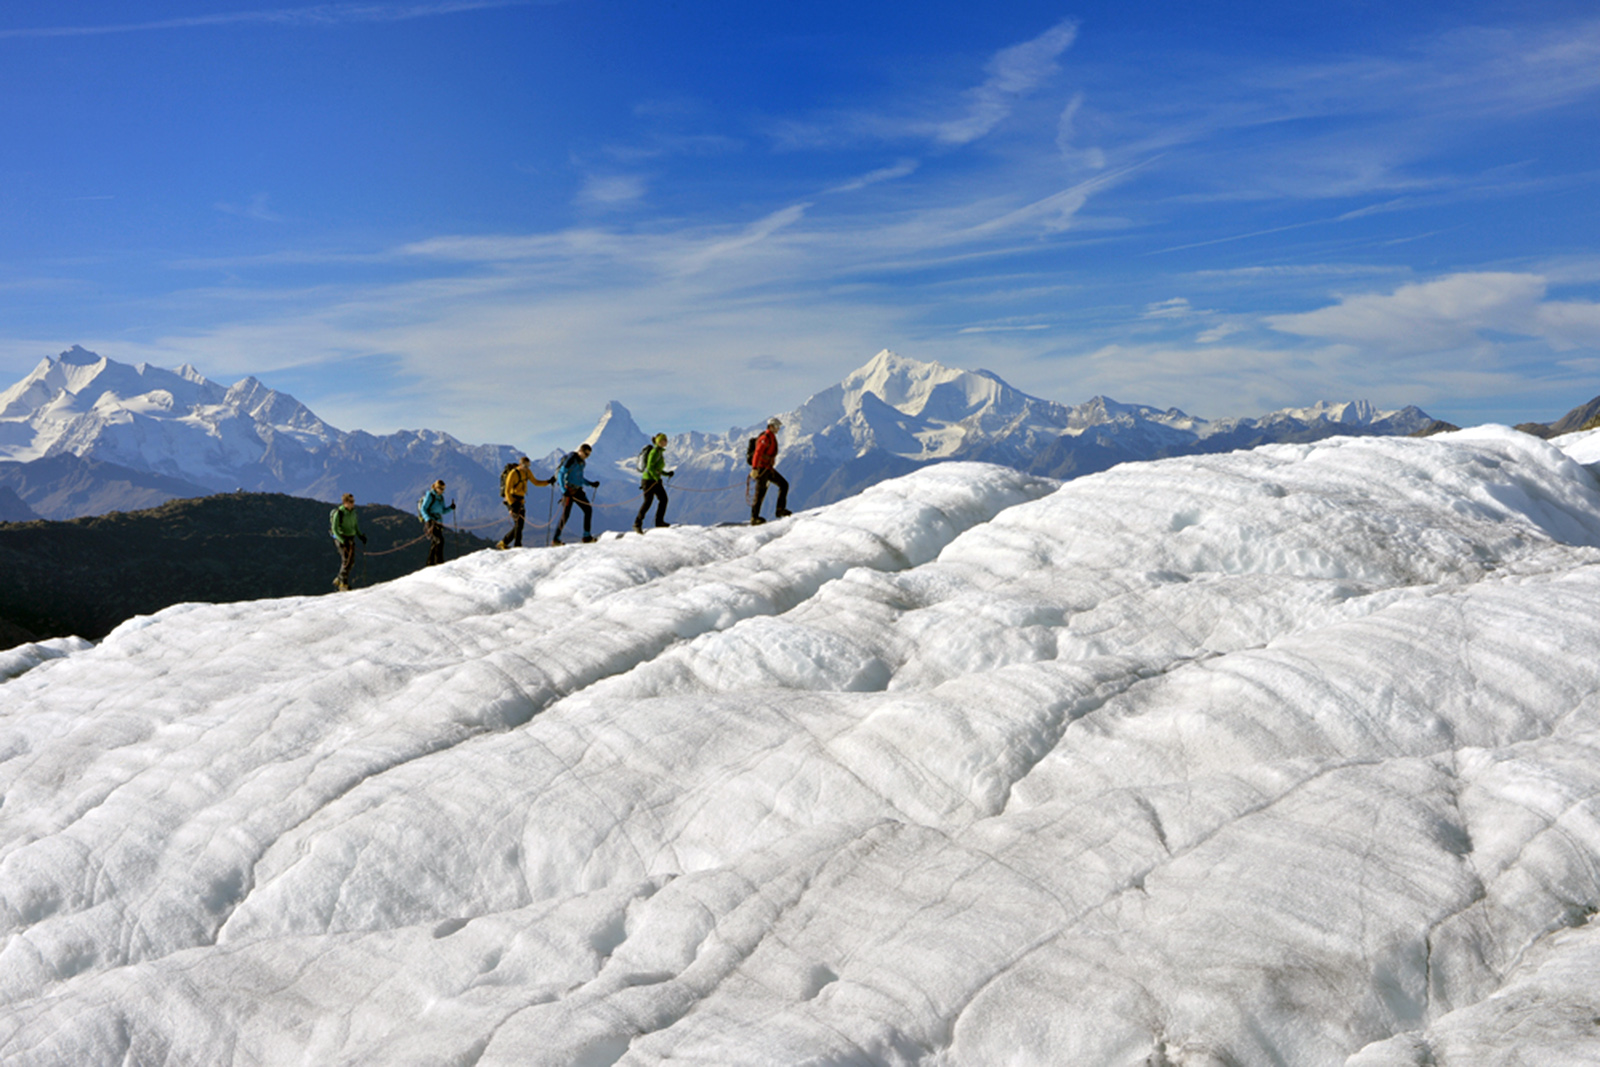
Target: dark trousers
{"points": [[435, 542], [653, 490], [347, 556], [569, 498], [763, 476], [519, 515]]}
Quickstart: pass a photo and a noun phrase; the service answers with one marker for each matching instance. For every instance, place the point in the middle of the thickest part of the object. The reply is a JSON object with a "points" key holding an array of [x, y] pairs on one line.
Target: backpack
{"points": [[750, 450], [564, 472], [421, 500], [505, 482], [644, 452]]}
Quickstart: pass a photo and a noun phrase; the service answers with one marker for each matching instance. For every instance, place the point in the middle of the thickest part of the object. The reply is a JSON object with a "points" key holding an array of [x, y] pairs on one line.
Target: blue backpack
{"points": [[564, 472]]}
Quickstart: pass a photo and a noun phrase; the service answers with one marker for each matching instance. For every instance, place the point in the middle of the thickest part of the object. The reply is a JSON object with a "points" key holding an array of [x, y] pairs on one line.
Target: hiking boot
{"points": [[663, 525], [757, 520], [556, 541], [341, 585], [587, 539], [501, 545], [638, 529], [783, 513]]}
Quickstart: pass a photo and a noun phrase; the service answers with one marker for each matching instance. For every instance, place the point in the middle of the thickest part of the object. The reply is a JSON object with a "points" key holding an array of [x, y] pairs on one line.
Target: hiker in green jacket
{"points": [[346, 530], [652, 475]]}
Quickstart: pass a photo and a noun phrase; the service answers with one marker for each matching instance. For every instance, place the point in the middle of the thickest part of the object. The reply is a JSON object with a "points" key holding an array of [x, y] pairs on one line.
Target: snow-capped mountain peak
{"points": [[1350, 412], [895, 413], [616, 432], [180, 425]]}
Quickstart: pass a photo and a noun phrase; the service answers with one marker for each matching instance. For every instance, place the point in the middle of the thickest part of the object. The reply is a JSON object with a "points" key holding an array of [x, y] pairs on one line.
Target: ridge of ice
{"points": [[1283, 756]]}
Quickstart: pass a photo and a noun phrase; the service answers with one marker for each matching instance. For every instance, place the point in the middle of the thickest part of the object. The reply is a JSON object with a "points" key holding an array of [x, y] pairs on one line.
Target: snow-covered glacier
{"points": [[1281, 757]]}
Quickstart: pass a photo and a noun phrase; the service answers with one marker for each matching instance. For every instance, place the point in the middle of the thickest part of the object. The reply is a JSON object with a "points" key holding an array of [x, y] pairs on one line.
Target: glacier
{"points": [[1286, 756]]}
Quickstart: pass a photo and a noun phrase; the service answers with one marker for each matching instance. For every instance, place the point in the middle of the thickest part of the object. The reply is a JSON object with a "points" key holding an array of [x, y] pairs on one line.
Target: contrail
{"points": [[317, 15]]}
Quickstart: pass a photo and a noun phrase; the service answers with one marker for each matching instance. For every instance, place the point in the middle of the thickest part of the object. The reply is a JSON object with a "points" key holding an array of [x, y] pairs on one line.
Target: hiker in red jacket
{"points": [[762, 470]]}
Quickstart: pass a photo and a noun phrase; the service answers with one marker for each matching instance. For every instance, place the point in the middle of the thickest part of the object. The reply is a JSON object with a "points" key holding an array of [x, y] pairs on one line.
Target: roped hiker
{"points": [[652, 475], [514, 482], [346, 530], [763, 454], [431, 509], [570, 475]]}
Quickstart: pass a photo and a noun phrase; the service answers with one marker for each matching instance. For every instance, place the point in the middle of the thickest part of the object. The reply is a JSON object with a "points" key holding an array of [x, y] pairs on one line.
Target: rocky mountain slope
{"points": [[84, 576]]}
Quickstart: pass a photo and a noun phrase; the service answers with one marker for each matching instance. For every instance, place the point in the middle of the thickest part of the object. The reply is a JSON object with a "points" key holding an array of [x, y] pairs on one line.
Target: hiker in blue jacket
{"points": [[570, 475], [431, 509]]}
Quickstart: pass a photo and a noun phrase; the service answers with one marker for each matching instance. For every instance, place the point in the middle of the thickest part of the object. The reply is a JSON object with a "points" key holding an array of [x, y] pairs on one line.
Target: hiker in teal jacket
{"points": [[431, 509], [652, 473], [346, 530], [570, 475]]}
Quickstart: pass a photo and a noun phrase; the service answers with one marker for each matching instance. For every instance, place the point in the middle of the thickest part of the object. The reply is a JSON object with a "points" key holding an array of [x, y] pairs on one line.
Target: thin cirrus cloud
{"points": [[903, 169], [612, 190], [1013, 73], [315, 15], [257, 210]]}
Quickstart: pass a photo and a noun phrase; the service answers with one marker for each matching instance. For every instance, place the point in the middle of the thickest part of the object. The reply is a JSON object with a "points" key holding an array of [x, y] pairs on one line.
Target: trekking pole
{"points": [[549, 510]]}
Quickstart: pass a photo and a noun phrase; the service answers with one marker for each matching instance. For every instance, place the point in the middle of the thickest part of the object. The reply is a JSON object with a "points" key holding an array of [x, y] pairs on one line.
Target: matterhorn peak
{"points": [[615, 436]]}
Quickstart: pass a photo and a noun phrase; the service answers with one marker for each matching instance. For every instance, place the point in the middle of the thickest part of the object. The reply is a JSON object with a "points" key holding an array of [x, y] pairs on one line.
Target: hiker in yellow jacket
{"points": [[514, 490]]}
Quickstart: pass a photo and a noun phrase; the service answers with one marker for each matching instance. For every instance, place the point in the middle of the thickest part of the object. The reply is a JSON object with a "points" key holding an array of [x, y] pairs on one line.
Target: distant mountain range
{"points": [[895, 414], [83, 434]]}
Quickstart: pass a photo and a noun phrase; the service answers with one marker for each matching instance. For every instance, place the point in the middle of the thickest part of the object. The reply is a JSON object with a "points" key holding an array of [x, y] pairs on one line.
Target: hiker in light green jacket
{"points": [[652, 479], [346, 530]]}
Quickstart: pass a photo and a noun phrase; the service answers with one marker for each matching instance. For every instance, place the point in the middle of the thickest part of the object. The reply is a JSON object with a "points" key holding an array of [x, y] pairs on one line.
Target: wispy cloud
{"points": [[1013, 73], [1451, 314], [1177, 307], [904, 168], [257, 209], [315, 15], [1021, 327], [611, 190]]}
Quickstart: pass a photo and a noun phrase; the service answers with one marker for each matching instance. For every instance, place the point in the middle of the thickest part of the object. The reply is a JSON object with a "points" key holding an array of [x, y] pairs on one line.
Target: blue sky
{"points": [[492, 217]]}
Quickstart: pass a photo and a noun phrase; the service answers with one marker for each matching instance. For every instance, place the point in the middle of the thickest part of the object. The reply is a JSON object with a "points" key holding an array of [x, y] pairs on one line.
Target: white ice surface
{"points": [[1279, 757], [1583, 446], [25, 657]]}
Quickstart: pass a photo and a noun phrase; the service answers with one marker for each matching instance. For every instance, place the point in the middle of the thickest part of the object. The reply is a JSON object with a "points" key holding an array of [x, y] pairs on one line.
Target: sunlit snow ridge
{"points": [[1274, 757]]}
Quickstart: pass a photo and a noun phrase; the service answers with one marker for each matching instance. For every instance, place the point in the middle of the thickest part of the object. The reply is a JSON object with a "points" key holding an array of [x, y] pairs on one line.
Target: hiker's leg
{"points": [[588, 513], [761, 492], [435, 543], [644, 506]]}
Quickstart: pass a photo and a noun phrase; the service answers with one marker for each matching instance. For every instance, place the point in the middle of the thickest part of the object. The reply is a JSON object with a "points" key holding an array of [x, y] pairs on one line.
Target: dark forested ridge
{"points": [[84, 576]]}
